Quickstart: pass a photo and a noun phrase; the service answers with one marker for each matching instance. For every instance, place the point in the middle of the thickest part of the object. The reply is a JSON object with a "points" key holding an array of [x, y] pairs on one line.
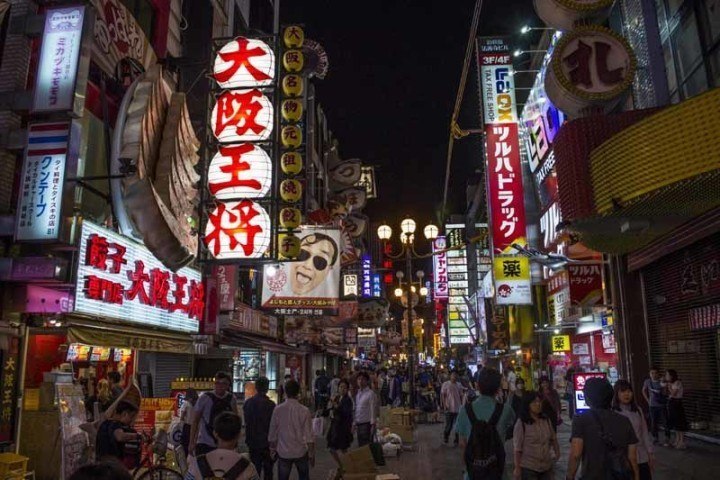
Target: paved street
{"points": [[431, 459]]}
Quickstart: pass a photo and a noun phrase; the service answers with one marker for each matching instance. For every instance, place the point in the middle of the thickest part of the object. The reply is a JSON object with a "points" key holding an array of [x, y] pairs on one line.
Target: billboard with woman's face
{"points": [[311, 284]]}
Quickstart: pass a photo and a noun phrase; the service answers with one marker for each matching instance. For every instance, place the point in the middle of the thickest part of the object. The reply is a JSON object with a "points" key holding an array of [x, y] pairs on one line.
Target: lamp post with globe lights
{"points": [[406, 289]]}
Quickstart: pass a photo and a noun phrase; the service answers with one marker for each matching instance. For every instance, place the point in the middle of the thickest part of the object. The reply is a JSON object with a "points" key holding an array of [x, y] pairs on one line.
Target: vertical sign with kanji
{"points": [[41, 183], [440, 268]]}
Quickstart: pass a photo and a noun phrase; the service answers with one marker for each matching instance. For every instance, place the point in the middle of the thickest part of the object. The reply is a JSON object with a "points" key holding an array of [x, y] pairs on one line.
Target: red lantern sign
{"points": [[240, 171], [242, 116], [244, 62], [238, 230]]}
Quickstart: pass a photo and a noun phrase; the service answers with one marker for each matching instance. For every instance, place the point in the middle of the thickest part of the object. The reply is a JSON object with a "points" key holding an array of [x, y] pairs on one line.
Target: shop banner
{"points": [[366, 339], [59, 57], [118, 278], [333, 336], [250, 320], [585, 285], [461, 327], [227, 286], [311, 285], [512, 280], [350, 285], [366, 264], [350, 334], [579, 380], [8, 387], [498, 331], [440, 268], [505, 188], [560, 343], [39, 211]]}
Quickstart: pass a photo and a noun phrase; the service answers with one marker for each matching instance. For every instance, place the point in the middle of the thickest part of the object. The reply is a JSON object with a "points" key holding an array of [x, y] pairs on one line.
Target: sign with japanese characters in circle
{"points": [[118, 278], [242, 116], [240, 171], [244, 62], [238, 230], [41, 183], [512, 280]]}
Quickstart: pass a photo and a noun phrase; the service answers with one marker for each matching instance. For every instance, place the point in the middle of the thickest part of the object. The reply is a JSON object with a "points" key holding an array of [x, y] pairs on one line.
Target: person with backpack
{"points": [[482, 426], [535, 442], [208, 407], [223, 462], [602, 440]]}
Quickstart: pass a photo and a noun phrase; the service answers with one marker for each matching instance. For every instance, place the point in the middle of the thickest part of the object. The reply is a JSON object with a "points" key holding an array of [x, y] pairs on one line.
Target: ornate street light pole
{"points": [[407, 240]]}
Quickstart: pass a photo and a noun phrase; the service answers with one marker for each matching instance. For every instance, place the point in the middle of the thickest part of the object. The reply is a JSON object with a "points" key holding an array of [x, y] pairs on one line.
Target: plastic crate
{"points": [[12, 466]]}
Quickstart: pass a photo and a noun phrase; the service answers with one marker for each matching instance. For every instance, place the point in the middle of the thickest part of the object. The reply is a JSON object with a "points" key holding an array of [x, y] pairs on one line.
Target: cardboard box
{"points": [[405, 432], [359, 460]]}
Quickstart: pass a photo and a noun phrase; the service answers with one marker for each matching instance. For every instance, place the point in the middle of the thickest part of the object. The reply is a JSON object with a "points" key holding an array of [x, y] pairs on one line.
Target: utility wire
{"points": [[459, 98]]}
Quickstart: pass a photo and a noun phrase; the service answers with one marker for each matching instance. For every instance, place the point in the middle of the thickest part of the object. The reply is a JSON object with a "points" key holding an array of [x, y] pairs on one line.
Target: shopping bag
{"points": [[318, 426]]}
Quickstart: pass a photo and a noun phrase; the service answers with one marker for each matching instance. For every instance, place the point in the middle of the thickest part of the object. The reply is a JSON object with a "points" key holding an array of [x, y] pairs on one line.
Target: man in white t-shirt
{"points": [[224, 461], [207, 408], [451, 398]]}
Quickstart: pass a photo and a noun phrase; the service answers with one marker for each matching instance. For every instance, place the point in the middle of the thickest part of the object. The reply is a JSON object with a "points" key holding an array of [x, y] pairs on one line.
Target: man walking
{"points": [[654, 395], [207, 408], [291, 437], [322, 390], [602, 440], [365, 410], [258, 411], [451, 400]]}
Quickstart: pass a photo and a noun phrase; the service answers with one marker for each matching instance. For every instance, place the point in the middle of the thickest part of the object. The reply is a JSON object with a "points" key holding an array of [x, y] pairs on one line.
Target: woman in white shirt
{"points": [[624, 403], [676, 410]]}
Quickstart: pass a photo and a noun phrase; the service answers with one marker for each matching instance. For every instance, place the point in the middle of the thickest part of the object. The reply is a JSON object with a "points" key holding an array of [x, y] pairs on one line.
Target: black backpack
{"points": [[485, 452], [617, 464], [219, 405], [234, 472]]}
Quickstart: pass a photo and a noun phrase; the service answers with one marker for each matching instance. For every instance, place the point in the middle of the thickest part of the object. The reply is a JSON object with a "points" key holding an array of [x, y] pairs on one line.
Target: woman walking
{"points": [[676, 410], [624, 403], [535, 441], [339, 436], [551, 402]]}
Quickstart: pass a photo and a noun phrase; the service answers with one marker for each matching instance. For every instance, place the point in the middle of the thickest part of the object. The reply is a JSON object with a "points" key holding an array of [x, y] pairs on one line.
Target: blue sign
{"points": [[366, 276], [376, 289]]}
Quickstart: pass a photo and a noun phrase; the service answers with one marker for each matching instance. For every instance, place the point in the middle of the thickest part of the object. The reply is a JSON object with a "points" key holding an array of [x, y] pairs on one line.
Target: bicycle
{"points": [[152, 466]]}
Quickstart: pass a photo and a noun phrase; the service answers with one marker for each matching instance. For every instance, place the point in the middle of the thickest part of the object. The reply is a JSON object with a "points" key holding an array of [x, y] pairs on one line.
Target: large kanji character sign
{"points": [[240, 171], [242, 116], [238, 230], [244, 62]]}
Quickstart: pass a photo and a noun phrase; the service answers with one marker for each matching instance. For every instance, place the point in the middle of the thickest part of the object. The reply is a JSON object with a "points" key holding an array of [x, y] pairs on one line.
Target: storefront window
{"points": [[247, 367]]}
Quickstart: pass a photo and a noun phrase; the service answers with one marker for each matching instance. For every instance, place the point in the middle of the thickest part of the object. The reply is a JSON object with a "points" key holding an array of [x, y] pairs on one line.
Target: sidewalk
{"points": [[434, 460]]}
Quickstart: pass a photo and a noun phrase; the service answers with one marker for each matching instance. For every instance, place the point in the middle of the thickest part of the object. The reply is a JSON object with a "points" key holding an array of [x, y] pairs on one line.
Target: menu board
{"points": [[122, 354], [78, 352], [100, 354]]}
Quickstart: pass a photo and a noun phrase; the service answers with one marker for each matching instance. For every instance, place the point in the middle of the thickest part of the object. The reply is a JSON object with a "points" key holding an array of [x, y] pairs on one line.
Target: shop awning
{"points": [[93, 332], [248, 340]]}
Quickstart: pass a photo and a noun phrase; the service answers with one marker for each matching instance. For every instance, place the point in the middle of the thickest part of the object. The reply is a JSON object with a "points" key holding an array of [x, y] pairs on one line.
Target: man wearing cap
{"points": [[602, 440]]}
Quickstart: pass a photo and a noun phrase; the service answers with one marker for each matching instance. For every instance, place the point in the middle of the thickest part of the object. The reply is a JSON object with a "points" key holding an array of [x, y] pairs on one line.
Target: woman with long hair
{"points": [[339, 436], [676, 409], [103, 397], [624, 403], [535, 442], [551, 402]]}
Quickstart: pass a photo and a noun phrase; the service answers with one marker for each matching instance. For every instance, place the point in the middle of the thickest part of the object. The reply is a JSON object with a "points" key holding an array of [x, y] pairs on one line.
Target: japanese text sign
{"points": [[512, 280], [120, 279], [242, 116], [39, 213], [238, 230], [579, 380], [350, 284], [560, 343], [440, 268], [366, 276], [59, 56], [240, 171], [244, 62], [585, 284]]}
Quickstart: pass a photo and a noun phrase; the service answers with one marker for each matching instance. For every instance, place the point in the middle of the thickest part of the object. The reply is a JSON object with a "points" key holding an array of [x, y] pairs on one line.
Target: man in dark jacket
{"points": [[258, 411]]}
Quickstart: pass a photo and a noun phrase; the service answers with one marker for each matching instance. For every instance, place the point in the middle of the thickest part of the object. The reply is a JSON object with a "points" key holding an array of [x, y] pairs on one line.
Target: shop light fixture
{"points": [[271, 271], [527, 29], [519, 52]]}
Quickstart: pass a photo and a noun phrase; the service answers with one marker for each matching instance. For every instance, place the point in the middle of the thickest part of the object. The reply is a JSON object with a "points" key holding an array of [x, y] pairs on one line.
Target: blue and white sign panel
{"points": [[366, 276], [39, 213]]}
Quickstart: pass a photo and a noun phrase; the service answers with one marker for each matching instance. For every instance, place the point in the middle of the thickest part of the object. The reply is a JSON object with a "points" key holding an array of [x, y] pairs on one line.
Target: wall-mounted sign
{"points": [[560, 343], [505, 188], [579, 380], [440, 271], [461, 326], [498, 331], [350, 284], [580, 349], [39, 213], [251, 320], [59, 56], [242, 116], [558, 296], [585, 285], [591, 69], [238, 230], [367, 181], [240, 171], [118, 278], [376, 285], [244, 62], [366, 276], [366, 338], [512, 280]]}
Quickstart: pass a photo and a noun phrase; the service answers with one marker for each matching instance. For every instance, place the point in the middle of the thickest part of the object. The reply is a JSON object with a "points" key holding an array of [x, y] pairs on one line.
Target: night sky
{"points": [[389, 94]]}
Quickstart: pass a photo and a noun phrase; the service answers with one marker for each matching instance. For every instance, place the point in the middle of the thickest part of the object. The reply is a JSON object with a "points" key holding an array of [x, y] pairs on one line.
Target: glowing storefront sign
{"points": [[244, 62], [440, 270], [120, 279], [240, 171], [238, 230], [242, 116]]}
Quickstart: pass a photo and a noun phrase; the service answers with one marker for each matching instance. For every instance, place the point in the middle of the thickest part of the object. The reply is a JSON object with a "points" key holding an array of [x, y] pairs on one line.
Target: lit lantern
{"points": [[288, 245], [238, 230], [291, 136], [244, 62], [293, 36], [291, 163], [240, 171], [293, 60], [292, 85], [290, 190], [291, 110], [242, 116], [290, 218]]}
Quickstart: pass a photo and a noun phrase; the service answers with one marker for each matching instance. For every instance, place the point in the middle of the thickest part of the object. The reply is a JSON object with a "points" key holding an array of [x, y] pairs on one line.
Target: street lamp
{"points": [[407, 251]]}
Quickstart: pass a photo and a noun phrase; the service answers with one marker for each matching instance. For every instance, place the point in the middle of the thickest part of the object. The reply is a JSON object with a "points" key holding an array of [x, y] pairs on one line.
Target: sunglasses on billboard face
{"points": [[320, 263]]}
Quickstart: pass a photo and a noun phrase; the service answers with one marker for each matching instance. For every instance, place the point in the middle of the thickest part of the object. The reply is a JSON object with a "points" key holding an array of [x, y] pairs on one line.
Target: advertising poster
{"points": [[310, 285], [512, 280], [579, 380]]}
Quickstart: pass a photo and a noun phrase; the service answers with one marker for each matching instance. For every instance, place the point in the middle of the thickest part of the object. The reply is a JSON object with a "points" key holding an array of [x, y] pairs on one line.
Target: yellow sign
{"points": [[561, 343], [293, 36], [511, 268], [292, 85]]}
